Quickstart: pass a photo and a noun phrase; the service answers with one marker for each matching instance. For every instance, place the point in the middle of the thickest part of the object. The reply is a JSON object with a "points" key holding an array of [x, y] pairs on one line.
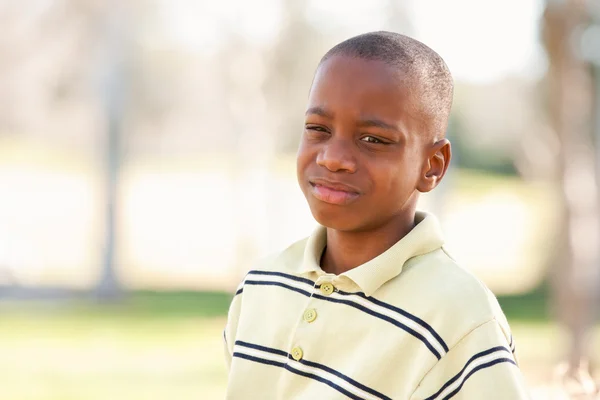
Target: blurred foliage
{"points": [[135, 305], [533, 306], [478, 158]]}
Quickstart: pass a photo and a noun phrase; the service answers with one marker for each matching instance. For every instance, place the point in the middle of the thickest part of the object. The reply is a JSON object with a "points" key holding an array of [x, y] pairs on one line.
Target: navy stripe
{"points": [[292, 277], [239, 292], [261, 348], [260, 360], [313, 365], [385, 318], [364, 296], [482, 366], [404, 313], [283, 285], [457, 376], [344, 377], [301, 373]]}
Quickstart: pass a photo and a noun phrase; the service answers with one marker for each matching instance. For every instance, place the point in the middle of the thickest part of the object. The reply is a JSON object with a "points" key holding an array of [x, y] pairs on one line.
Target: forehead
{"points": [[355, 86]]}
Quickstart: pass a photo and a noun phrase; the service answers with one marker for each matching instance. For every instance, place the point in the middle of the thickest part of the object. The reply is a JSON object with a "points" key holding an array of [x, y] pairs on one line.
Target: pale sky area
{"points": [[480, 41], [483, 40]]}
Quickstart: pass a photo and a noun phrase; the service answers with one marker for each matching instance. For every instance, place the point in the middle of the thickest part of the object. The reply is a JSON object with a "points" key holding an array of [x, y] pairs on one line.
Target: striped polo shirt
{"points": [[408, 324]]}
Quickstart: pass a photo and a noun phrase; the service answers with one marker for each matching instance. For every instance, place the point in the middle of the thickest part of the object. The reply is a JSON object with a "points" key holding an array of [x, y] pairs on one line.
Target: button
{"points": [[327, 289], [297, 353], [310, 315]]}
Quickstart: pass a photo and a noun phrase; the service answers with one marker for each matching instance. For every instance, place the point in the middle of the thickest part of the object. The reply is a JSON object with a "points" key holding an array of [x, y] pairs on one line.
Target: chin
{"points": [[339, 219]]}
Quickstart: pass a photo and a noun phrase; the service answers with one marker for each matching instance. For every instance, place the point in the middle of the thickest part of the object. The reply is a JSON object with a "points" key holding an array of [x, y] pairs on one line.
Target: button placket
{"points": [[324, 287], [309, 315]]}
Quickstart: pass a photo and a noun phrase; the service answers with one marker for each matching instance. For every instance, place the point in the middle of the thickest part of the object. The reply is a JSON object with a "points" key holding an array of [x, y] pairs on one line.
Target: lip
{"points": [[333, 192]]}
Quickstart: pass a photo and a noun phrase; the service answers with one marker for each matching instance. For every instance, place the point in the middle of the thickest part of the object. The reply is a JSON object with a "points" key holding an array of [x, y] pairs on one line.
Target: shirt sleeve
{"points": [[229, 333], [480, 366]]}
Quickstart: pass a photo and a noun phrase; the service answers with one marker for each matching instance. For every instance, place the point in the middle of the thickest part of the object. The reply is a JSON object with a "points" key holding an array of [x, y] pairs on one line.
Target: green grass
{"points": [[152, 346]]}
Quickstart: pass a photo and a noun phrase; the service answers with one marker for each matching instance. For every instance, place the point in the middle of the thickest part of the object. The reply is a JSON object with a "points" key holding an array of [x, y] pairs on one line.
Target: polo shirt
{"points": [[408, 324]]}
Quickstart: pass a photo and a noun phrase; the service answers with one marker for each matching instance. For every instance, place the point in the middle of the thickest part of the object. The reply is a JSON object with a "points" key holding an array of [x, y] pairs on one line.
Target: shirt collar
{"points": [[425, 237]]}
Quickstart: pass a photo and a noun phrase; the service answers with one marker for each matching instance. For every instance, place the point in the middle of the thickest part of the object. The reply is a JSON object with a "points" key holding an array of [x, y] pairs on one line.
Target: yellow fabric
{"points": [[409, 324]]}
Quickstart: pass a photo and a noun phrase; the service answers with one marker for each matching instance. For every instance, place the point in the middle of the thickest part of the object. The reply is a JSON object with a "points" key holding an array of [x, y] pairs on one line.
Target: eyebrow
{"points": [[372, 122], [377, 123], [319, 111]]}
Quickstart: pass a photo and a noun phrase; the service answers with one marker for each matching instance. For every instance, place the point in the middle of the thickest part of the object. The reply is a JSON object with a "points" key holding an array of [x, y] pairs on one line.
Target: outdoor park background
{"points": [[147, 160]]}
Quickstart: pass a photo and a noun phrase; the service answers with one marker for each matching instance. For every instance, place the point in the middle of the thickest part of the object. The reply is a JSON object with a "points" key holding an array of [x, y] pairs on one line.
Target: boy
{"points": [[371, 306]]}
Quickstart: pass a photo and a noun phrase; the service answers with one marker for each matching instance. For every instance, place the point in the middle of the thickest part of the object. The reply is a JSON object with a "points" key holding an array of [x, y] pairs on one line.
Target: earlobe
{"points": [[435, 166]]}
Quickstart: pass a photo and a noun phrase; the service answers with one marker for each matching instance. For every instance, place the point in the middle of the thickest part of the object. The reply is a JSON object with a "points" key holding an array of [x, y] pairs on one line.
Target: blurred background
{"points": [[147, 160]]}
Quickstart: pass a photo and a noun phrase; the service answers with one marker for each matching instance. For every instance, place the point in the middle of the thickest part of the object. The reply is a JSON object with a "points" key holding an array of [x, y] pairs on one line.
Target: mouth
{"points": [[333, 192]]}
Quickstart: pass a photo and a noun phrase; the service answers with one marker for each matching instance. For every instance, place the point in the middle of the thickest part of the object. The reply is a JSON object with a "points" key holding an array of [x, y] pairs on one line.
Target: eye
{"points": [[316, 128], [372, 139], [316, 132]]}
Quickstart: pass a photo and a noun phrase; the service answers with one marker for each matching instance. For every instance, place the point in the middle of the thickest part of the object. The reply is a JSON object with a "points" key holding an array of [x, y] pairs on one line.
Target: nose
{"points": [[337, 156]]}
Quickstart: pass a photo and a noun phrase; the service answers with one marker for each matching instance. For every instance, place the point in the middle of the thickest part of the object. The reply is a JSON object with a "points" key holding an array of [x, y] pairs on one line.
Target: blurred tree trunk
{"points": [[113, 91], [64, 35], [571, 99]]}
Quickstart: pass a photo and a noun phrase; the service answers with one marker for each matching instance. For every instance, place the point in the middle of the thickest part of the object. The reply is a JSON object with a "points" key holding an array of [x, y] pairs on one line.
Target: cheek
{"points": [[305, 155], [303, 159], [394, 182]]}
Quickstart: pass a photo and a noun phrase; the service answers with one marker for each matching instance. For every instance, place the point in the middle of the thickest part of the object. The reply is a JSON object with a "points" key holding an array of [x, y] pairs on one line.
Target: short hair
{"points": [[420, 63]]}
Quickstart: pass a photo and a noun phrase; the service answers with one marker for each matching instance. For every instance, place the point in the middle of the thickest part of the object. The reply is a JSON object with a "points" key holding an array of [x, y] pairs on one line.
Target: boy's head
{"points": [[374, 131]]}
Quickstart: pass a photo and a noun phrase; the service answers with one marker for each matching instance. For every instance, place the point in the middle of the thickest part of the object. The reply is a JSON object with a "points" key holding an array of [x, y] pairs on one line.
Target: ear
{"points": [[437, 159]]}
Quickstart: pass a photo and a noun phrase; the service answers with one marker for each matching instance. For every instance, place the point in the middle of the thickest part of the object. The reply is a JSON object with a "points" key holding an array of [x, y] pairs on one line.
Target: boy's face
{"points": [[363, 156]]}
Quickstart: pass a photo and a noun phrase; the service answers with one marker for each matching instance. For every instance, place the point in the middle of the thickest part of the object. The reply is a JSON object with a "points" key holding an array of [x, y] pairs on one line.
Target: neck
{"points": [[348, 249]]}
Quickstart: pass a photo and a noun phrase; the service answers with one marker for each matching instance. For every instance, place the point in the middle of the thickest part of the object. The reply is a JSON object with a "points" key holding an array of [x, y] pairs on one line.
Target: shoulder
{"points": [[456, 301], [449, 285]]}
